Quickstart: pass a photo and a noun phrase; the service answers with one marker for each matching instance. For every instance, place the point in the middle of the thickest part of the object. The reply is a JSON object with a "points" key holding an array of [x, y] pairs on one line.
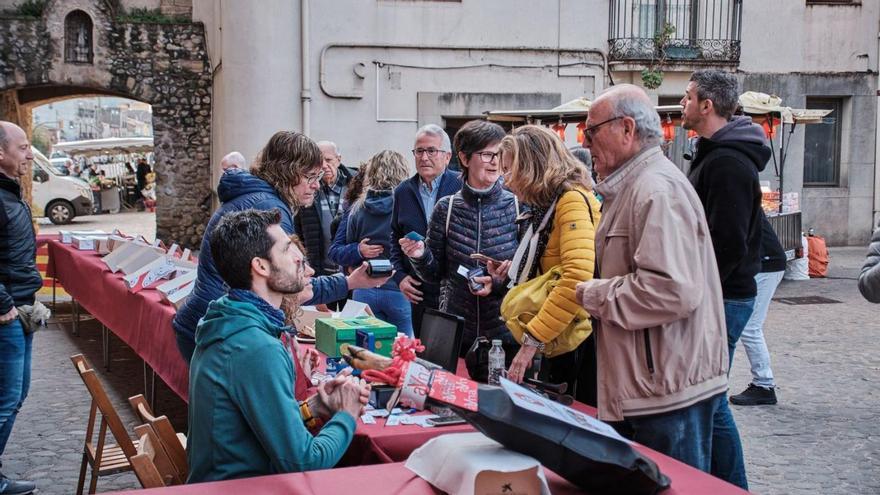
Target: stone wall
{"points": [[165, 65]]}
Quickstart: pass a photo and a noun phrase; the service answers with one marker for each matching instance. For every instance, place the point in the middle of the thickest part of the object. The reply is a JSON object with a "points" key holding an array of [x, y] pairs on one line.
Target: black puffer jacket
{"points": [[869, 278], [481, 222], [19, 278]]}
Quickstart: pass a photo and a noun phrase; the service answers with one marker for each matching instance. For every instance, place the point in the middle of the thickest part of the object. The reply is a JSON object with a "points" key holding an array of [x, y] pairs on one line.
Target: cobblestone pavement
{"points": [[822, 437], [131, 222]]}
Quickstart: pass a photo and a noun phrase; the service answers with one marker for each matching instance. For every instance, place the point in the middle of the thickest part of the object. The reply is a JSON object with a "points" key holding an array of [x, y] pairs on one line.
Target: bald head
{"points": [[15, 150], [622, 122], [233, 160]]}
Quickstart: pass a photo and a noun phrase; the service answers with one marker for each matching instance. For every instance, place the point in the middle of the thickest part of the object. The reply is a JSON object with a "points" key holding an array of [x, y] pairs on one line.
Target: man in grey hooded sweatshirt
{"points": [[730, 152]]}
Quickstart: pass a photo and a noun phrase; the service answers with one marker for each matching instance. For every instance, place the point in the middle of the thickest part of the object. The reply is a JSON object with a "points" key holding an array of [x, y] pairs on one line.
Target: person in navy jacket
{"points": [[414, 200], [284, 176]]}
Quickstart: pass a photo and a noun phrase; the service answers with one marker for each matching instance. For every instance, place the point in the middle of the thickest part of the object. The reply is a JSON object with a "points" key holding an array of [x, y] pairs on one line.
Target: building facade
{"points": [[367, 73]]}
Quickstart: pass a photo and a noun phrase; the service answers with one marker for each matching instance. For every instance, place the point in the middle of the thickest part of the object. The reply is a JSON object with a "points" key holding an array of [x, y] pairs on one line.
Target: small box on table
{"points": [[331, 333]]}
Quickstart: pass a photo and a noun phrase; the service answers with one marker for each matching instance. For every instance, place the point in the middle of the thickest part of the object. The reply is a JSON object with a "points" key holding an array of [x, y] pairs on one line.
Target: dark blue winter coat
{"points": [[371, 220], [481, 222], [409, 216], [19, 278], [239, 190]]}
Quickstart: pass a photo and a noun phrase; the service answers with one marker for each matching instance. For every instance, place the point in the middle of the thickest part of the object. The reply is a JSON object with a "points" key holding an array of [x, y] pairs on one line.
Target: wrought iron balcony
{"points": [[696, 31]]}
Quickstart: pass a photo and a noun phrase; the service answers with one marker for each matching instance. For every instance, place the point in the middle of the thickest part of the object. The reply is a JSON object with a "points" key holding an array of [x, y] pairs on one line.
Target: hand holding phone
{"points": [[415, 236], [484, 259]]}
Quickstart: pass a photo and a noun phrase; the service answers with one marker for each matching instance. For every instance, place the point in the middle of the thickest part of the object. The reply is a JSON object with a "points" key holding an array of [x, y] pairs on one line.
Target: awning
{"points": [[93, 147]]}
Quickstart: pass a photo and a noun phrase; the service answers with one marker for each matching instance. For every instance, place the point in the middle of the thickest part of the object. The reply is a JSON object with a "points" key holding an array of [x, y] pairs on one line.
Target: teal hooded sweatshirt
{"points": [[243, 418]]}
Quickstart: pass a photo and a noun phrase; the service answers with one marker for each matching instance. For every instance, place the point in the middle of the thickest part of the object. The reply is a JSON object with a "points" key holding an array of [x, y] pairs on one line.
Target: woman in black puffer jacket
{"points": [[482, 220]]}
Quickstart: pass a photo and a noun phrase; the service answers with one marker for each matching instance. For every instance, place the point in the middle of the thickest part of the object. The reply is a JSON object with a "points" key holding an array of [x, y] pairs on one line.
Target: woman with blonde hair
{"points": [[558, 233], [365, 233]]}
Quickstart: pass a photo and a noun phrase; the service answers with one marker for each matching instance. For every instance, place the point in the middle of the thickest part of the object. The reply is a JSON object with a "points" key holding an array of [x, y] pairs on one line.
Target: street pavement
{"points": [[822, 437]]}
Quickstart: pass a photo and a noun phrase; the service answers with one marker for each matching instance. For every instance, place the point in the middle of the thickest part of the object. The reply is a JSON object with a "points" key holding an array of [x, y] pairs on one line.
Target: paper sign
{"points": [[415, 386], [527, 399], [455, 390], [353, 309]]}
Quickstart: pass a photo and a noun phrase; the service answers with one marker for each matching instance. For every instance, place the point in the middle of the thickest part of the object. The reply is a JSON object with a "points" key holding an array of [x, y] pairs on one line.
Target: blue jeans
{"points": [[752, 336], [685, 434], [736, 314], [15, 375], [389, 305], [727, 454]]}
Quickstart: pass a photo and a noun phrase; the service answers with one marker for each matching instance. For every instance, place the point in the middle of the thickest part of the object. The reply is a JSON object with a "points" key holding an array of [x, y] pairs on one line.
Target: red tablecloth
{"points": [[141, 320], [386, 479]]}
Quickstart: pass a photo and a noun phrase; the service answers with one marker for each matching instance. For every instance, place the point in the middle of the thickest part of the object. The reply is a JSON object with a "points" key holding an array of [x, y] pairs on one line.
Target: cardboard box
{"points": [[331, 333], [176, 290], [86, 242], [67, 235]]}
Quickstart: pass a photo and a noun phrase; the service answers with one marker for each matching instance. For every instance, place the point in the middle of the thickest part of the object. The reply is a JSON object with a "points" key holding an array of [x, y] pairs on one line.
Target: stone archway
{"points": [[165, 65]]}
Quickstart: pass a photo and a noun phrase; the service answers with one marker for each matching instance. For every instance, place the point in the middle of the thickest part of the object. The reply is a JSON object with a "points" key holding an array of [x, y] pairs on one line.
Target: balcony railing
{"points": [[704, 31]]}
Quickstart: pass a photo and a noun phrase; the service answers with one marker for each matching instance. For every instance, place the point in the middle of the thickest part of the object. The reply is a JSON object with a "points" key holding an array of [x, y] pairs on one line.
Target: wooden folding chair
{"points": [[173, 443], [104, 459], [151, 465]]}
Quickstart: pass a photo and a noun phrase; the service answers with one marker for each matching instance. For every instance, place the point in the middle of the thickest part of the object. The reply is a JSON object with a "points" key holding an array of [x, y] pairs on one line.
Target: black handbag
{"points": [[477, 357]]}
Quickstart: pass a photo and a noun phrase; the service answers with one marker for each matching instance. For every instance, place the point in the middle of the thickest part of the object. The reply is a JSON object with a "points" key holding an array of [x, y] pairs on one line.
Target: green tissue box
{"points": [[331, 333]]}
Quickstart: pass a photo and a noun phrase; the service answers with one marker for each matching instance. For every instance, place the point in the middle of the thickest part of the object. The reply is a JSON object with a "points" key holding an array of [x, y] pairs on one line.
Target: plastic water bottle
{"points": [[496, 363]]}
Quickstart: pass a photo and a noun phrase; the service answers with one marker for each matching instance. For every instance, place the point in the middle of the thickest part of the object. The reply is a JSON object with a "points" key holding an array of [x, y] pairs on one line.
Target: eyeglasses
{"points": [[487, 156], [432, 152], [314, 178], [590, 131]]}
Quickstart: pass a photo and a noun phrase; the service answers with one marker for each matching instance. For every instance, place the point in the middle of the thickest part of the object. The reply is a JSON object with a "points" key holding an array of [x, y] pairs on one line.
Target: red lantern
{"points": [[580, 134], [771, 127], [559, 129], [692, 133], [668, 129]]}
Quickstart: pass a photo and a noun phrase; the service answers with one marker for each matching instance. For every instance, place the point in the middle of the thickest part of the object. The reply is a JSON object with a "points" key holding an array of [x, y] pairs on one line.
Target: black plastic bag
{"points": [[593, 462]]}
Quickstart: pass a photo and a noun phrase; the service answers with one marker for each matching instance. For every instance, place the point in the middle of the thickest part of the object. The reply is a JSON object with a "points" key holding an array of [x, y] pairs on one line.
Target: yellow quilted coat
{"points": [[571, 245]]}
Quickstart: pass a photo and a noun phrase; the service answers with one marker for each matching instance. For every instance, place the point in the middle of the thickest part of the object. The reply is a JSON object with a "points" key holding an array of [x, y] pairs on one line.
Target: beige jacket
{"points": [[661, 339]]}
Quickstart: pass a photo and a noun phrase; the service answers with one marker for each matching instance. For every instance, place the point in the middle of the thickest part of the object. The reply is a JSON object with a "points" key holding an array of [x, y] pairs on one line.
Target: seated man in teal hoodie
{"points": [[244, 420]]}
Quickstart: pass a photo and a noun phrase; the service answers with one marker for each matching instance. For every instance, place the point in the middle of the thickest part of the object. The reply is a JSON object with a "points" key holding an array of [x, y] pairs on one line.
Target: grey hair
{"points": [[647, 119], [436, 131], [720, 87], [585, 157], [330, 144], [234, 159]]}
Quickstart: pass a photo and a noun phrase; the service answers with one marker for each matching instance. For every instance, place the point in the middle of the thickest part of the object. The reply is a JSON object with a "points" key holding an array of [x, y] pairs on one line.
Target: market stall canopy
{"points": [[92, 147], [755, 103]]}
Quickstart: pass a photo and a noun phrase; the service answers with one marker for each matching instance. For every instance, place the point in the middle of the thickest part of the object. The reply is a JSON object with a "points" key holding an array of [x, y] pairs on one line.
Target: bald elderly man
{"points": [[19, 282], [233, 160]]}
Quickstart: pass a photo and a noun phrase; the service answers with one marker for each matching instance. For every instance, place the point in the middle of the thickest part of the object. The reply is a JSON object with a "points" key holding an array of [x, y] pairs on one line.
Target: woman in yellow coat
{"points": [[544, 175]]}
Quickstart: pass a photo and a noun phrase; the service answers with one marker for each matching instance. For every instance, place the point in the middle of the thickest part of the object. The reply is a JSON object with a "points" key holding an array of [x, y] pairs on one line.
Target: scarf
{"points": [[534, 234], [275, 315]]}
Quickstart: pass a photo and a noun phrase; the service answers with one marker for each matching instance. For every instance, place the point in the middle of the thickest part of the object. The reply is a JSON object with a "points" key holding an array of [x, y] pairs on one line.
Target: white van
{"points": [[58, 197]]}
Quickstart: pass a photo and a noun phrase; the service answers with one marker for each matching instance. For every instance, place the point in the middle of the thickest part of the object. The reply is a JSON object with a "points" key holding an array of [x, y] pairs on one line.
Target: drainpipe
{"points": [[306, 94]]}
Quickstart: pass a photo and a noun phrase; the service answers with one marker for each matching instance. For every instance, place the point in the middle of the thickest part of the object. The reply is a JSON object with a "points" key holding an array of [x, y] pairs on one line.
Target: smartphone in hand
{"points": [[415, 236], [483, 258]]}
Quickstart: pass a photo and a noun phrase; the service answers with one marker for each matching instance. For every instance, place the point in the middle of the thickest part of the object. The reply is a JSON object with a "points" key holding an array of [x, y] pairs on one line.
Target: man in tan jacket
{"points": [[661, 340]]}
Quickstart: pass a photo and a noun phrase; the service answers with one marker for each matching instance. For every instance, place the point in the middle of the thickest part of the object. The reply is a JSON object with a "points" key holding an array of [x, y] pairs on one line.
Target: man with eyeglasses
{"points": [[286, 176], [661, 342], [414, 201]]}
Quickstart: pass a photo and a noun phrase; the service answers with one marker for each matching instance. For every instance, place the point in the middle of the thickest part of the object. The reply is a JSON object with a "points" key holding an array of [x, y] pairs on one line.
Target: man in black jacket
{"points": [[730, 151], [19, 281], [312, 223]]}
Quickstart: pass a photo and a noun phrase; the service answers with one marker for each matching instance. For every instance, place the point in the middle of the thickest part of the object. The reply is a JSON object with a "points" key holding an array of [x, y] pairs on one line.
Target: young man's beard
{"points": [[282, 284]]}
